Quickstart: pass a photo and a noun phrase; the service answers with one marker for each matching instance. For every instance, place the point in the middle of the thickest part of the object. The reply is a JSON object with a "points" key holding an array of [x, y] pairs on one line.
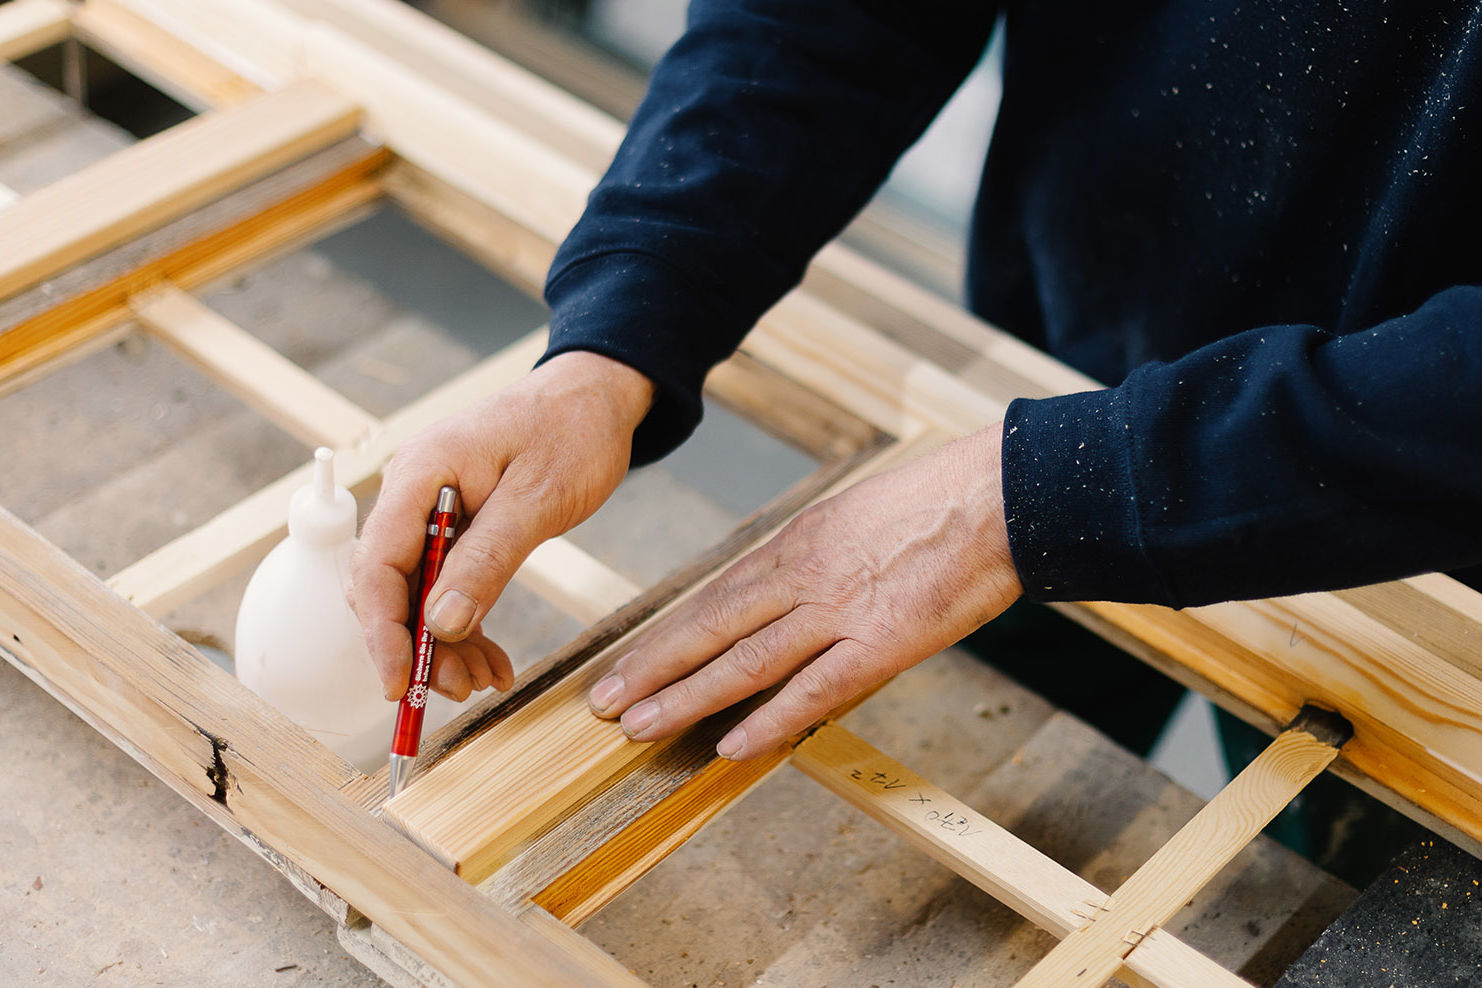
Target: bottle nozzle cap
{"points": [[322, 513], [324, 475]]}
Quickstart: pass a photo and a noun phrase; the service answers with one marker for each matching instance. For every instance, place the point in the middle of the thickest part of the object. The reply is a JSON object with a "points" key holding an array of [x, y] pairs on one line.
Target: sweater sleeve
{"points": [[764, 130], [1279, 460]]}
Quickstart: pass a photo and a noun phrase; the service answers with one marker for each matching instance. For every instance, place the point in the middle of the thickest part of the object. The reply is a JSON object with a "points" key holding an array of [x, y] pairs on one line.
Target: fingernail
{"points": [[732, 742], [605, 692], [452, 613], [640, 718], [504, 683]]}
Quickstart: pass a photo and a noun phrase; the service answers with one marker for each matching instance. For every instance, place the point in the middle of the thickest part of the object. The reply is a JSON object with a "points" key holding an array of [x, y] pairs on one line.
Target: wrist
{"points": [[629, 393], [982, 462]]}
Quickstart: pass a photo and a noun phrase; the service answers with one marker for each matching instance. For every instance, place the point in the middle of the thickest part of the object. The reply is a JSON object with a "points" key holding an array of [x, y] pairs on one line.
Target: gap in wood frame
{"points": [[107, 91], [665, 514], [45, 135], [379, 310], [383, 312], [117, 454]]}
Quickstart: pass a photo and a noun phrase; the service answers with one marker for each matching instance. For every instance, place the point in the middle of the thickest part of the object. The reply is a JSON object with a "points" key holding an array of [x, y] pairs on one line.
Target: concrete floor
{"points": [[108, 875]]}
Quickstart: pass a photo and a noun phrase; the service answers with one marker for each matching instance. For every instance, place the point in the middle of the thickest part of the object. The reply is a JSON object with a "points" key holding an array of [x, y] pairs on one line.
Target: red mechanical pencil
{"points": [[441, 528]]}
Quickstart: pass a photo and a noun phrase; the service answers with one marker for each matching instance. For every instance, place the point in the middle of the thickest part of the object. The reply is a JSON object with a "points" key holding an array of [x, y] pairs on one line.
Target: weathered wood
{"points": [[580, 891], [214, 741], [1007, 868], [160, 178], [30, 25], [474, 809], [242, 534], [272, 384], [604, 814], [759, 393], [60, 320], [484, 234], [1159, 889]]}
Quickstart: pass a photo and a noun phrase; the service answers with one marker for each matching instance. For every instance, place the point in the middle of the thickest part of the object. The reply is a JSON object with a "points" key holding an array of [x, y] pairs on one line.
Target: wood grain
{"points": [[474, 809], [602, 819], [162, 177], [267, 381], [59, 321], [159, 57], [241, 535], [218, 744], [27, 26], [1202, 847], [1049, 895]]}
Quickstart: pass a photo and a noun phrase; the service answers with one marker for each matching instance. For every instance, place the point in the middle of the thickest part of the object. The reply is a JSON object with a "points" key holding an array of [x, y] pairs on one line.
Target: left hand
{"points": [[854, 590]]}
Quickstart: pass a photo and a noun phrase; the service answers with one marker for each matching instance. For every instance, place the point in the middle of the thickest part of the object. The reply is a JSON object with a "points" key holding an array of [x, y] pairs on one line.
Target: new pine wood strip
{"points": [[580, 893], [575, 582], [68, 317], [575, 130], [474, 809], [1202, 847], [159, 57], [1421, 612], [609, 855], [243, 533], [27, 26], [320, 176], [1052, 897], [147, 184], [1341, 653], [551, 669], [1379, 760], [543, 193], [284, 392], [217, 743]]}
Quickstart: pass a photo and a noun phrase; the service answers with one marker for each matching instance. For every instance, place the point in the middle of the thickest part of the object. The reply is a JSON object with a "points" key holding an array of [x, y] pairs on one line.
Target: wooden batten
{"points": [[163, 177], [64, 318], [215, 742], [27, 26], [474, 809], [577, 893], [272, 384], [241, 535], [531, 794], [1042, 891], [1202, 847], [552, 669], [159, 57]]}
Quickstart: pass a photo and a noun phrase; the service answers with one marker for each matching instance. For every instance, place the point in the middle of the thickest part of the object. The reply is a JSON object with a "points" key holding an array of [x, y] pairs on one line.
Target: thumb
{"points": [[504, 531]]}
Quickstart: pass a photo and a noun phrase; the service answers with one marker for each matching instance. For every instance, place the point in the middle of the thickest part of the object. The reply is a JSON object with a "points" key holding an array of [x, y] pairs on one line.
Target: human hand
{"points": [[529, 463], [854, 590]]}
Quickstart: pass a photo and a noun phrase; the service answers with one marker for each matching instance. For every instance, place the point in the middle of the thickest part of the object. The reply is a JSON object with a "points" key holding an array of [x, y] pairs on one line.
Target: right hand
{"points": [[529, 463]]}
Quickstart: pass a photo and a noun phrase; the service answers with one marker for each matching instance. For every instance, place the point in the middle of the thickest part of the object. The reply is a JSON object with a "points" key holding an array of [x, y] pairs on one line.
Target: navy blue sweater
{"points": [[1262, 222]]}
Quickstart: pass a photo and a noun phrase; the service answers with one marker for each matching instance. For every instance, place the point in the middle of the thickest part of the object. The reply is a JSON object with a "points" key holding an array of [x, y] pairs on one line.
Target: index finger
{"points": [[390, 551]]}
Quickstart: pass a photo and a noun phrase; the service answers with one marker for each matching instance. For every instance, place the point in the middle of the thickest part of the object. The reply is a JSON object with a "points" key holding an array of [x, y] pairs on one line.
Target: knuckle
{"points": [[813, 691], [713, 615], [485, 548], [751, 661]]}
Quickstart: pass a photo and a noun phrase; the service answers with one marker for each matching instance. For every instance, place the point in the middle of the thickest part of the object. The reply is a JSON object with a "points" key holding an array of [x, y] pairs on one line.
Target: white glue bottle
{"points": [[299, 646]]}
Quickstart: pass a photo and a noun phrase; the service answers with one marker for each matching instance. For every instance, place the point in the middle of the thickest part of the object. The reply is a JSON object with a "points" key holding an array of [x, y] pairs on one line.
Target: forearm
{"points": [[765, 129], [1278, 461]]}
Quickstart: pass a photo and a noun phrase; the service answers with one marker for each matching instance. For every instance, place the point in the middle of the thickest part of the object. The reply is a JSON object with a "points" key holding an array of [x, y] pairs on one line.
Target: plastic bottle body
{"points": [[300, 647]]}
